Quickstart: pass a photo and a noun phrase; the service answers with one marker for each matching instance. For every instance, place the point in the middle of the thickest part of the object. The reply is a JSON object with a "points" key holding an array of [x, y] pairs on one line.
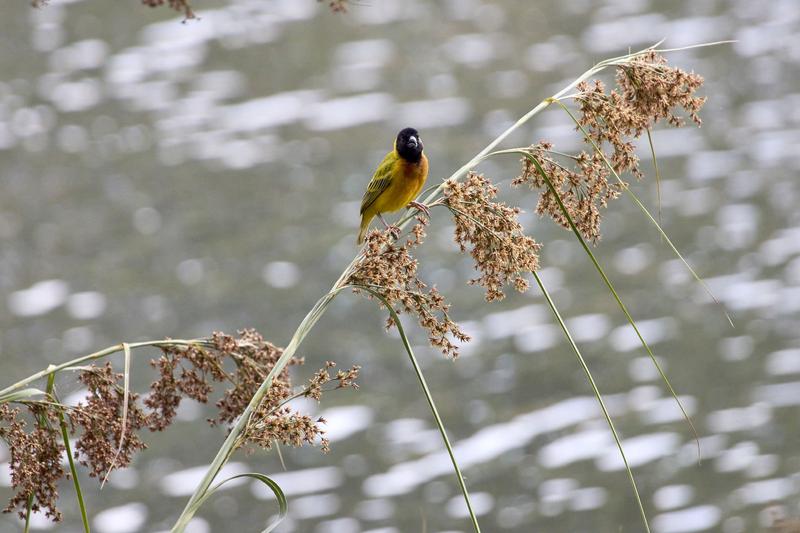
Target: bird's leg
{"points": [[394, 230], [422, 207]]}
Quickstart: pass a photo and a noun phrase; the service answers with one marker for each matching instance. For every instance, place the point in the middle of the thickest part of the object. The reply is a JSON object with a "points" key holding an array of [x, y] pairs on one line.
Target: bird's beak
{"points": [[413, 141]]}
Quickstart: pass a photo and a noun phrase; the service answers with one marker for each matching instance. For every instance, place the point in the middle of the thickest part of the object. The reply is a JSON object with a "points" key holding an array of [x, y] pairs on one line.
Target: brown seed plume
{"points": [[389, 269], [503, 254]]}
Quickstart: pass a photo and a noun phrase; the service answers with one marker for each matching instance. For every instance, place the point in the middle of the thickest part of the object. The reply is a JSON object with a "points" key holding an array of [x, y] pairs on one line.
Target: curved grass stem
{"points": [[597, 395], [283, 507], [429, 397], [98, 355], [658, 173], [126, 349], [28, 511], [62, 422], [608, 284]]}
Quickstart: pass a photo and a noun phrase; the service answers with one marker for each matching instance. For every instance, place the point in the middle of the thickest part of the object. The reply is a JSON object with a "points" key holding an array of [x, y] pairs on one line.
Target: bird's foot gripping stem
{"points": [[421, 207], [394, 230]]}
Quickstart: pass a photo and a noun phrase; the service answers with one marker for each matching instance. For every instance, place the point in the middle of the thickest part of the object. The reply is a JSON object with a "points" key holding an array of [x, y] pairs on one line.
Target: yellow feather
{"points": [[395, 183]]}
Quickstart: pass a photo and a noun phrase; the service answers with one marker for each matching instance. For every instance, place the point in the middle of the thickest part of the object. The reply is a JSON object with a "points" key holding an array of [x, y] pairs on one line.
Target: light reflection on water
{"points": [[123, 519], [228, 154]]}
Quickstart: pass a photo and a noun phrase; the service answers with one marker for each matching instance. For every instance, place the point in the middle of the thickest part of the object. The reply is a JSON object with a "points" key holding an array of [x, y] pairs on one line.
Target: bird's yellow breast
{"points": [[408, 179]]}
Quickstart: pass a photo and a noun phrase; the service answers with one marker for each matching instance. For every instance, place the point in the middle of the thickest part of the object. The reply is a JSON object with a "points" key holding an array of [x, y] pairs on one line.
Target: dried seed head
{"points": [[35, 460], [99, 418], [337, 6], [274, 421], [389, 269], [286, 427], [648, 91], [653, 89], [503, 254], [583, 188], [344, 379], [184, 372], [198, 367], [254, 358], [184, 6], [609, 120]]}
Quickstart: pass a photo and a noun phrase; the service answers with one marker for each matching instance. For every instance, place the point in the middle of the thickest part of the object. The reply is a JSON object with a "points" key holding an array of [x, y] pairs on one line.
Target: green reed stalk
{"points": [[62, 422], [608, 284], [97, 355], [597, 395], [429, 397]]}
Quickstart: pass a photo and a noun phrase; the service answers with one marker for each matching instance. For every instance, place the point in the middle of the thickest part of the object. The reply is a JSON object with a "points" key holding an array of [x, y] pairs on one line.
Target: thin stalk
{"points": [[431, 403], [280, 455], [658, 173], [597, 395], [693, 46], [28, 510], [98, 355], [125, 398], [21, 395], [51, 390], [74, 471], [41, 421], [610, 286], [283, 507]]}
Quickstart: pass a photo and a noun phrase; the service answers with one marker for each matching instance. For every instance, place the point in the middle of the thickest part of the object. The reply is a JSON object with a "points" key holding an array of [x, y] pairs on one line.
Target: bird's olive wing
{"points": [[380, 181]]}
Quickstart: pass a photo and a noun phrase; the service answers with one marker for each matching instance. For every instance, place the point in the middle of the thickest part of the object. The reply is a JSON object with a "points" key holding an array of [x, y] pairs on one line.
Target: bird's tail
{"points": [[363, 231]]}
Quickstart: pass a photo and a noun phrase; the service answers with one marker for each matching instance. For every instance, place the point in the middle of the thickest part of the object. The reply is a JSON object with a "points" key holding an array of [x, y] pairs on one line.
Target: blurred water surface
{"points": [[167, 179]]}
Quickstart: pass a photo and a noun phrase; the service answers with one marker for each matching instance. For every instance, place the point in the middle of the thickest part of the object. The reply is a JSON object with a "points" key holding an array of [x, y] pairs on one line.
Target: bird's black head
{"points": [[409, 145]]}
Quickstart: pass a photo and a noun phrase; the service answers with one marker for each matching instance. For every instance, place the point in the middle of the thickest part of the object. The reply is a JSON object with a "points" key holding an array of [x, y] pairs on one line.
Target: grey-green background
{"points": [[166, 179]]}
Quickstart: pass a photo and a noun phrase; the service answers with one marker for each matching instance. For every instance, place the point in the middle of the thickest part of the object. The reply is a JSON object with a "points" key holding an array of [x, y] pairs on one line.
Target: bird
{"points": [[396, 182]]}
